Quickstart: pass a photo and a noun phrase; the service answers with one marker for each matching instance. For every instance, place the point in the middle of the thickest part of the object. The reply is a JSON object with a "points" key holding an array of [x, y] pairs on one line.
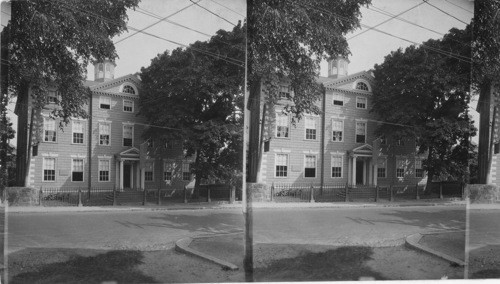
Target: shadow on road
{"points": [[433, 219], [117, 266], [344, 263], [217, 223]]}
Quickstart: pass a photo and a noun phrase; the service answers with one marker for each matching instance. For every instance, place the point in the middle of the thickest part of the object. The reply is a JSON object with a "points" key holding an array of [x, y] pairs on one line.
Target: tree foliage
{"points": [[486, 67], [424, 96], [289, 38], [51, 43], [195, 95]]}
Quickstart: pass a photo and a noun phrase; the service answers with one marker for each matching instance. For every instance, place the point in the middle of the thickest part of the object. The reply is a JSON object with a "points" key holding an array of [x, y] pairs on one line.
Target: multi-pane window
{"points": [[360, 132], [77, 131], [383, 140], [284, 93], [148, 171], [400, 168], [77, 170], [52, 97], [281, 165], [336, 166], [419, 171], [105, 102], [104, 133], [382, 168], [128, 105], [49, 169], [338, 99], [282, 125], [49, 130], [169, 145], [168, 168], [128, 89], [361, 102], [128, 134], [104, 168], [337, 130], [310, 166], [496, 148], [362, 86], [186, 171], [400, 142], [310, 128]]}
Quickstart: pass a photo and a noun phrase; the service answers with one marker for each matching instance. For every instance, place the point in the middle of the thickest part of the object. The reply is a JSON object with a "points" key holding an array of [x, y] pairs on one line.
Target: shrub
{"points": [[482, 193]]}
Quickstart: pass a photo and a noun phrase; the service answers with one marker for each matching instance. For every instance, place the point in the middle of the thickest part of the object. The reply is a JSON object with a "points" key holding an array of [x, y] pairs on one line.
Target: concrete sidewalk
{"points": [[237, 205]]}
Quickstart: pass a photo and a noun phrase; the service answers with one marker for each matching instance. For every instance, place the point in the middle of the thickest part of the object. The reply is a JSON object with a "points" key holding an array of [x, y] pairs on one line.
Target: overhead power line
{"points": [[215, 14], [459, 7], [175, 13], [394, 16], [232, 10], [230, 60], [427, 1], [456, 56], [151, 14]]}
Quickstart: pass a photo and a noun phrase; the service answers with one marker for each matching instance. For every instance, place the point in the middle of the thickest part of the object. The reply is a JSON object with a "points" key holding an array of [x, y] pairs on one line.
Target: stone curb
{"points": [[266, 205], [182, 245], [412, 242]]}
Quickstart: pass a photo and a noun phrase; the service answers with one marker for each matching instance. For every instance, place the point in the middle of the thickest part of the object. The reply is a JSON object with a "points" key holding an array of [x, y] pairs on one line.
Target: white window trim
{"points": [[338, 95], [314, 118], [315, 166], [55, 130], [99, 138], [101, 98], [355, 84], [276, 126], [287, 165], [421, 167], [83, 169], [128, 100], [366, 102], [133, 87], [73, 131], [109, 169], [123, 133], [152, 171], [401, 158], [343, 129], [341, 168], [55, 169], [366, 131], [171, 164], [182, 170], [385, 167]]}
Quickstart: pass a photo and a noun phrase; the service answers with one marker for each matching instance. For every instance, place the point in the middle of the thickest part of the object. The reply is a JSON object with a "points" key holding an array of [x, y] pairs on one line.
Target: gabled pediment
{"points": [[131, 152], [366, 148], [348, 81], [114, 86]]}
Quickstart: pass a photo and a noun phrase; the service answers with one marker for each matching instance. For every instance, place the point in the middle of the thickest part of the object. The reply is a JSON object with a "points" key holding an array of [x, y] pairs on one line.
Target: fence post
{"points": [[185, 195], [392, 194], [346, 192], [312, 194], [441, 190], [208, 194], [144, 197], [232, 194], [376, 193], [114, 196], [159, 195], [272, 192], [40, 196], [80, 197], [416, 188]]}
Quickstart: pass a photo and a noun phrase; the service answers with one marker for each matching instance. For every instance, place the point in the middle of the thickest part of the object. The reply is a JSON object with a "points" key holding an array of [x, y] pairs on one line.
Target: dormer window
{"points": [[362, 86], [284, 93], [52, 97], [128, 89]]}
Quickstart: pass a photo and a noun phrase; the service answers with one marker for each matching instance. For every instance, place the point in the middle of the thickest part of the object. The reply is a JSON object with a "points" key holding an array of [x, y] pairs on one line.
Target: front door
{"points": [[360, 166], [126, 175]]}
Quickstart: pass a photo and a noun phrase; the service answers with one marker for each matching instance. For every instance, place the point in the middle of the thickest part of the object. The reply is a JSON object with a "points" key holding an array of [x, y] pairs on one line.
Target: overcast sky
{"points": [[200, 23]]}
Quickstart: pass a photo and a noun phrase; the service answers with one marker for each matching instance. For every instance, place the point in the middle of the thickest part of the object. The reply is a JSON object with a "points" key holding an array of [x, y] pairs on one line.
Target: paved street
{"points": [[152, 230]]}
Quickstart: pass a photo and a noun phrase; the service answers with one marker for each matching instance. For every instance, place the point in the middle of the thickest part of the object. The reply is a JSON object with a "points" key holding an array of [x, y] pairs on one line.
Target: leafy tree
{"points": [[287, 41], [50, 44], [196, 95], [486, 67], [424, 96]]}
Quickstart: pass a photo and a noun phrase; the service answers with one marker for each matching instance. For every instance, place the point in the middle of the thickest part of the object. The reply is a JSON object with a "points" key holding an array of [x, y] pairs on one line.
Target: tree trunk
{"points": [[484, 132], [253, 139], [28, 152], [430, 173], [22, 133]]}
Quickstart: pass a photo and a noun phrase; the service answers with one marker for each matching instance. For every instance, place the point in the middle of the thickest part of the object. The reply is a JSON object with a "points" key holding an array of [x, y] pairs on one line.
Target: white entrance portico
{"points": [[128, 172], [362, 170]]}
